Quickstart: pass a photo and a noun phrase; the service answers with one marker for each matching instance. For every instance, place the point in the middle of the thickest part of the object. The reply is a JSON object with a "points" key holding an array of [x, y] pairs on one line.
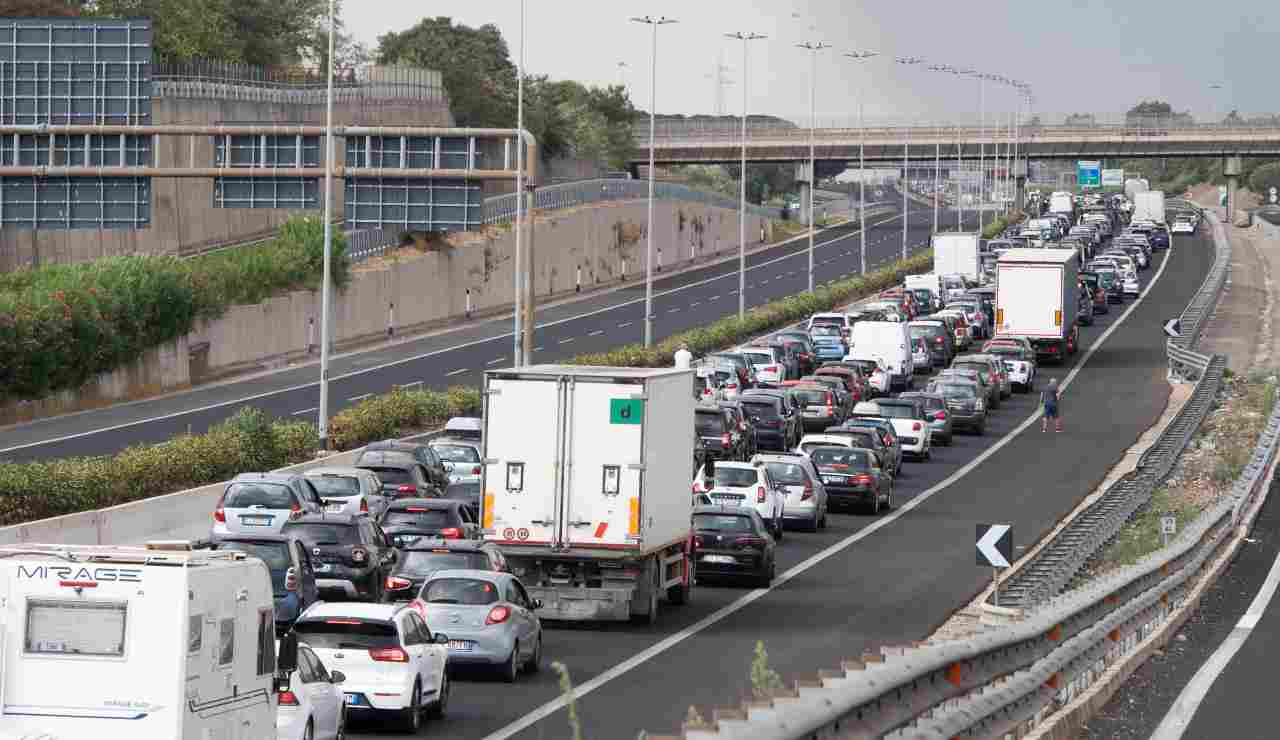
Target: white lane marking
{"points": [[566, 340], [496, 361], [537, 349], [695, 303], [357, 399], [595, 333], [714, 298], [742, 602], [459, 371], [408, 386], [1184, 707], [304, 412], [673, 310], [417, 357], [625, 324]]}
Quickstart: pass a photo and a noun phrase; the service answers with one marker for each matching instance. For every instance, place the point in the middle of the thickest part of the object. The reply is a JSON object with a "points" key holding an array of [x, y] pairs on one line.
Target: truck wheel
{"points": [[680, 593]]}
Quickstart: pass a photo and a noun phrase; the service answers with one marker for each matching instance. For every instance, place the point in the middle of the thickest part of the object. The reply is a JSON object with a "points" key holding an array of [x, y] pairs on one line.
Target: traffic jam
{"points": [[372, 592]]}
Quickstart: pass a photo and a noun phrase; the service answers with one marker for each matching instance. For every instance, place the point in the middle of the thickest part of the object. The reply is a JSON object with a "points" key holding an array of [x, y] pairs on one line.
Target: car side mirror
{"points": [[441, 638], [336, 677]]}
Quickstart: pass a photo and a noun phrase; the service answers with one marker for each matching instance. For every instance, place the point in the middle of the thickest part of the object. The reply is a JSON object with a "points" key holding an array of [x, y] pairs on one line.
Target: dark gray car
{"points": [[293, 576], [391, 449]]}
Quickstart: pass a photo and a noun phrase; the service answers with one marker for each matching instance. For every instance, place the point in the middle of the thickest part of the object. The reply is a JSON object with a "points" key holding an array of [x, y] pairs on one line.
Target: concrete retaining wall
{"points": [[183, 217], [157, 370]]}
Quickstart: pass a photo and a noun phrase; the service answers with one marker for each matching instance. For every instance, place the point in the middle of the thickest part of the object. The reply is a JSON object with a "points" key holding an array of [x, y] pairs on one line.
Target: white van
{"points": [[931, 281], [888, 343], [178, 643]]}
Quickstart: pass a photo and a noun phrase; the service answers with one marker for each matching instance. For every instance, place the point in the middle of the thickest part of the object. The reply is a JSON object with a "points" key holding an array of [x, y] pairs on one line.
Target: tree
{"points": [[44, 8], [474, 62], [1265, 177]]}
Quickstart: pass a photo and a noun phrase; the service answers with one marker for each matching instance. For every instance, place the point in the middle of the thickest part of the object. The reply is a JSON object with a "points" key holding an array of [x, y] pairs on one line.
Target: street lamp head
{"points": [[661, 20], [908, 60], [740, 36], [813, 45], [861, 54]]}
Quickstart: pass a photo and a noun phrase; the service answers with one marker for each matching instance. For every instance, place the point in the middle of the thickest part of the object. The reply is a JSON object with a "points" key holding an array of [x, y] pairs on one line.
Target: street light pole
{"points": [[517, 321], [742, 206], [862, 164], [906, 177], [653, 102], [326, 291], [813, 48], [937, 178]]}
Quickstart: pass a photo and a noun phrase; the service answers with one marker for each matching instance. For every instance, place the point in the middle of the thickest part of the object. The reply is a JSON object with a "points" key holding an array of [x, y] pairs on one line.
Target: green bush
{"points": [[60, 325]]}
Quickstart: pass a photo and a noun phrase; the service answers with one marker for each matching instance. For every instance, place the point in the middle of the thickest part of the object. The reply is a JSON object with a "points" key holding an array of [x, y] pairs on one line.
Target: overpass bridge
{"points": [[720, 142]]}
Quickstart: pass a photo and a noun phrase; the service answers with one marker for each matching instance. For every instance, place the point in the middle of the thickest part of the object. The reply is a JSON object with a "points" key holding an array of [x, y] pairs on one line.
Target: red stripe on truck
{"points": [[600, 529]]}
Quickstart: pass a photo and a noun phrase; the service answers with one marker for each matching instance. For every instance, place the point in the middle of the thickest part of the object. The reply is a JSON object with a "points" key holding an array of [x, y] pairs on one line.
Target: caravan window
{"points": [[266, 642], [195, 633], [227, 641], [75, 627]]}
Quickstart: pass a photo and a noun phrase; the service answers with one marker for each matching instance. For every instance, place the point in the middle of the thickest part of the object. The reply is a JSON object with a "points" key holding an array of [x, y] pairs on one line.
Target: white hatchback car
{"points": [[806, 502], [392, 663], [349, 490], [745, 484], [314, 706], [1183, 227]]}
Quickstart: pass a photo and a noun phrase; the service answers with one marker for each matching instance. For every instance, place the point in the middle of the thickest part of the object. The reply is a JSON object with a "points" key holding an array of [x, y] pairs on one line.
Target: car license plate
{"points": [[463, 645], [724, 559], [833, 479], [256, 521], [729, 497], [333, 508], [323, 567]]}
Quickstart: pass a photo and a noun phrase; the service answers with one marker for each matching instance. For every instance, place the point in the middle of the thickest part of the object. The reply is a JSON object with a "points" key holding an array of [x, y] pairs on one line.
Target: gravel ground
{"points": [[1139, 705]]}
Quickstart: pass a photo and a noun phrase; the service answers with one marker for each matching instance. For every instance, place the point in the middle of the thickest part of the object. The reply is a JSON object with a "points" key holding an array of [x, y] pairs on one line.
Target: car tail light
{"points": [[1053, 349], [219, 514], [295, 508], [773, 369], [940, 415], [396, 583], [725, 440], [475, 470], [389, 655], [364, 505], [760, 495], [697, 487], [697, 540], [916, 426], [731, 386], [291, 580], [937, 340], [830, 410], [287, 698], [497, 615], [749, 542], [451, 533], [808, 491], [358, 555]]}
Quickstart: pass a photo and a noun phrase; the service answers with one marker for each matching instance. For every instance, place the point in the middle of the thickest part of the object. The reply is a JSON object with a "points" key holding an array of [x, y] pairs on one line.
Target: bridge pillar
{"points": [[1020, 184], [805, 179], [1232, 167]]}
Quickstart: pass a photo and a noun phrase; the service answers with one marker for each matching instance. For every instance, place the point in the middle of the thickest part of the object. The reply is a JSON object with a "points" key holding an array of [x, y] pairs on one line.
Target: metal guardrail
{"points": [[502, 208], [1006, 681]]}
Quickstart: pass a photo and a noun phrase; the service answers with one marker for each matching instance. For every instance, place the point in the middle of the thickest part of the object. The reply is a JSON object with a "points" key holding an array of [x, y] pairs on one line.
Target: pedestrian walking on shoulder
{"points": [[1049, 397], [683, 357]]}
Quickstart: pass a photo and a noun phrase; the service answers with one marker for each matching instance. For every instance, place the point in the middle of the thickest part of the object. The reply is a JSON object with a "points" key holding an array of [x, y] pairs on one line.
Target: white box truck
{"points": [[1062, 202], [150, 643], [1149, 206], [586, 486], [1037, 297], [957, 253], [1133, 186]]}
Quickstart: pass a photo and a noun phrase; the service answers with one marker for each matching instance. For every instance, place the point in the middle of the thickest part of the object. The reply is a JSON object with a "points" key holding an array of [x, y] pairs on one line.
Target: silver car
{"points": [[461, 459], [795, 474], [349, 490], [260, 503], [489, 618]]}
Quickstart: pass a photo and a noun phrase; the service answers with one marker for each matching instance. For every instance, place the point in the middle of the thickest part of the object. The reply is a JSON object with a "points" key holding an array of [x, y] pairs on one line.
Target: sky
{"points": [[1097, 56]]}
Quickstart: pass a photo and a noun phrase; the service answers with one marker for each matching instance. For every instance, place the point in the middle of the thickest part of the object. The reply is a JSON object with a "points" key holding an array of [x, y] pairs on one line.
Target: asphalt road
{"points": [[595, 323], [863, 582]]}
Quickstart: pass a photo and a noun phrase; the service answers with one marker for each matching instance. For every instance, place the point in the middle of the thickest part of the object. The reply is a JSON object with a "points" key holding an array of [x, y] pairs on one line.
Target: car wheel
{"points": [[511, 668], [678, 594], [765, 579], [535, 661], [441, 706], [411, 716], [875, 504], [310, 732], [777, 527], [946, 441], [816, 524], [928, 454], [342, 725], [888, 501], [982, 429]]}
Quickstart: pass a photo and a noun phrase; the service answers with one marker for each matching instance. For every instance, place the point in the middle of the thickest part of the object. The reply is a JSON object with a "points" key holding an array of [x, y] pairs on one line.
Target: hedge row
{"points": [[729, 331], [60, 325], [248, 441]]}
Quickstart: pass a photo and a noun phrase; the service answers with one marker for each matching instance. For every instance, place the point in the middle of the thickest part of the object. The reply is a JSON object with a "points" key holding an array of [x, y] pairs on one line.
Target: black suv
{"points": [[422, 557], [718, 434], [293, 578], [449, 519], [401, 478], [392, 449], [352, 554], [777, 424]]}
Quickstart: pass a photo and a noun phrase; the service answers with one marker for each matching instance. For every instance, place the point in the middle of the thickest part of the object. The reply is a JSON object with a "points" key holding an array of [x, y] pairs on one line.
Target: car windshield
{"points": [[810, 447], [457, 453], [735, 477], [419, 516], [979, 367], [265, 495], [812, 396], [341, 633], [897, 411], [384, 456], [866, 366], [393, 476], [335, 485], [760, 358], [841, 459], [825, 330], [315, 534], [274, 554], [918, 332], [734, 360], [464, 591], [955, 390], [709, 424], [788, 474], [722, 523], [826, 321], [426, 562], [763, 410]]}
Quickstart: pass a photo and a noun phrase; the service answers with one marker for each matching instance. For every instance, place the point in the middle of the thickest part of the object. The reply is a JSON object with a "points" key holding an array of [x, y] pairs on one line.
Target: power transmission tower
{"points": [[720, 81]]}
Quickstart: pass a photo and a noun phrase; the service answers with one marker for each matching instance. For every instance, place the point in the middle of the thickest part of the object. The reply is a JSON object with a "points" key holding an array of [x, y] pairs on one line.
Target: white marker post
{"points": [[995, 548]]}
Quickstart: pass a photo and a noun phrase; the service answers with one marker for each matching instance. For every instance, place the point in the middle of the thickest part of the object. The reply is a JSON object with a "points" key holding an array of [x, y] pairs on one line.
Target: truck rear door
{"points": [[1029, 301], [605, 450], [521, 460]]}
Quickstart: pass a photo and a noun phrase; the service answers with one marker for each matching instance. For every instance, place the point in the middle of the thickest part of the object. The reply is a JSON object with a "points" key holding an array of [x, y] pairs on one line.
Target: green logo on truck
{"points": [[626, 411]]}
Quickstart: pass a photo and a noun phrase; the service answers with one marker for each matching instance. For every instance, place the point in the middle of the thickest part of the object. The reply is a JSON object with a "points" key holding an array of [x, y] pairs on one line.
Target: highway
{"points": [[864, 582], [598, 322]]}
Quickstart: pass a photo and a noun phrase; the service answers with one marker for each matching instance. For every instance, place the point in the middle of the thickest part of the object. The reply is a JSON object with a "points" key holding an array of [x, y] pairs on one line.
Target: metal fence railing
{"points": [[367, 84], [502, 208]]}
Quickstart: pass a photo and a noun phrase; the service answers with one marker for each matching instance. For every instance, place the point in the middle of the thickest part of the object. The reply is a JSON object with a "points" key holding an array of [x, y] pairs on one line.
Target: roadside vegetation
{"points": [[251, 441], [1206, 470], [60, 325]]}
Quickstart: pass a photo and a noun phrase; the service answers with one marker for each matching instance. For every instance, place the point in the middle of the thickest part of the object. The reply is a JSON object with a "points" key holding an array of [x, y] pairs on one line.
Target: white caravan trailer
{"points": [[145, 643]]}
